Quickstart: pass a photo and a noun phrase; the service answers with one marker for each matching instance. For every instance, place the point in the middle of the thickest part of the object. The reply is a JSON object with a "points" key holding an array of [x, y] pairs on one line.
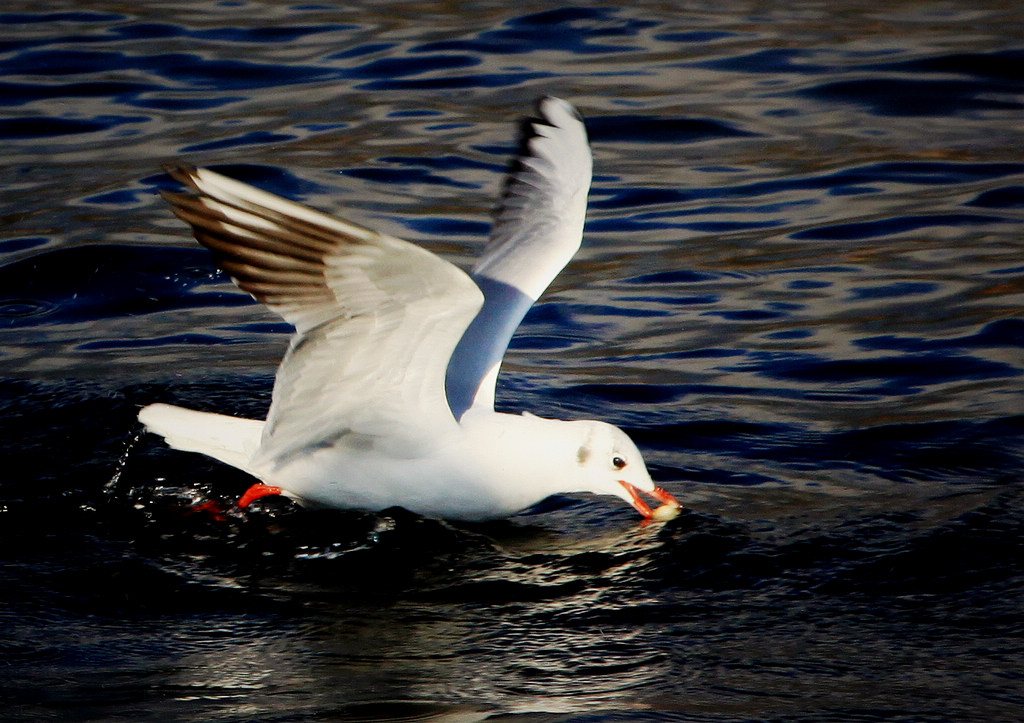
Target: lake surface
{"points": [[801, 291]]}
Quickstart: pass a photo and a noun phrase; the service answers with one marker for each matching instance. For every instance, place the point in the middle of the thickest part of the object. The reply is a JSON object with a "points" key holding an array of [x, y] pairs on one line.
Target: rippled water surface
{"points": [[801, 291]]}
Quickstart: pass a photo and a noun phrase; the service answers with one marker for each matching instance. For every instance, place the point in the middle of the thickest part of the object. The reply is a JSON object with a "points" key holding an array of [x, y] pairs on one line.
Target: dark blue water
{"points": [[802, 292]]}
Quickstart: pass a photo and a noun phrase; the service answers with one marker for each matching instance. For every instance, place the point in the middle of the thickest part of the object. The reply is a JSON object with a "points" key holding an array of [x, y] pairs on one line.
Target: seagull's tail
{"points": [[230, 440]]}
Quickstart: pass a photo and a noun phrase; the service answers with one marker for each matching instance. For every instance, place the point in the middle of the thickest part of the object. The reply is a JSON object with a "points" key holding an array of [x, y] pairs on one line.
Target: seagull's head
{"points": [[610, 464]]}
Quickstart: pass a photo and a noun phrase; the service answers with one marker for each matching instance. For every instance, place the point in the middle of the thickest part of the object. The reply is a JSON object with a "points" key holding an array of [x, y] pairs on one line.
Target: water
{"points": [[801, 292]]}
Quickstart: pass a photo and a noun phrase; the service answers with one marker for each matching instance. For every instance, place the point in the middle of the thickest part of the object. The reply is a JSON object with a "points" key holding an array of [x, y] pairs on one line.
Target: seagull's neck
{"points": [[529, 456]]}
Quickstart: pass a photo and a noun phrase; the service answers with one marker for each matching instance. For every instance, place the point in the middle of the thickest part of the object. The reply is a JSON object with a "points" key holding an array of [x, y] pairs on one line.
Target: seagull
{"points": [[385, 396]]}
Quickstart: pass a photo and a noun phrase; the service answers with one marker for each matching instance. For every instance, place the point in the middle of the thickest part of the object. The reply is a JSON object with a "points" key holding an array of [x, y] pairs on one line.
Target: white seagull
{"points": [[386, 394]]}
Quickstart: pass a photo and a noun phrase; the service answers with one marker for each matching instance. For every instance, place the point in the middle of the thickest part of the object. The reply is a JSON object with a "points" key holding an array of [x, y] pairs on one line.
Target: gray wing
{"points": [[376, 318], [537, 229]]}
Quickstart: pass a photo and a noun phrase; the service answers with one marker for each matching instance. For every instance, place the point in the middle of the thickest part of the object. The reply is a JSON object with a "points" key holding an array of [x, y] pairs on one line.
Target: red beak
{"points": [[657, 493]]}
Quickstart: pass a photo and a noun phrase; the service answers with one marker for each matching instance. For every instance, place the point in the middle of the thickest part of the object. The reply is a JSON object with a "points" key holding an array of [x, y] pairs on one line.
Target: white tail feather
{"points": [[230, 440]]}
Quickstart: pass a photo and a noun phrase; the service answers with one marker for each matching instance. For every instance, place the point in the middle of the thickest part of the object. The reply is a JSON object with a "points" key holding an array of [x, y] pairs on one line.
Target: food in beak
{"points": [[665, 513], [670, 505]]}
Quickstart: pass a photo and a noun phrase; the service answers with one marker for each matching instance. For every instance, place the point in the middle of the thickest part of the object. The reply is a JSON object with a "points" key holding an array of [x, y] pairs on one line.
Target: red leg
{"points": [[255, 492]]}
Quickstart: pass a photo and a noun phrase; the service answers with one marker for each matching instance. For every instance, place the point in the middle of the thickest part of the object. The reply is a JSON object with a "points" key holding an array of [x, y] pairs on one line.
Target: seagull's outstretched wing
{"points": [[376, 318], [537, 229]]}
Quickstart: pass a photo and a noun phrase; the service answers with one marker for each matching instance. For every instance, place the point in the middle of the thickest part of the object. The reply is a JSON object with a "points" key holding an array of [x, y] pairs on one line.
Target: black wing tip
{"points": [[544, 102], [527, 132], [528, 127], [543, 108]]}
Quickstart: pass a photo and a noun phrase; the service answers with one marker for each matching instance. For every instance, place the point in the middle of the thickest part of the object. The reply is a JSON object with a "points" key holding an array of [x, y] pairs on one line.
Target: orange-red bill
{"points": [[657, 493]]}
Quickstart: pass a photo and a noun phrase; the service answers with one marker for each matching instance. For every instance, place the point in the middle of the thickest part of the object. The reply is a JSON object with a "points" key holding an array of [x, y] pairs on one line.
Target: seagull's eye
{"points": [[618, 462]]}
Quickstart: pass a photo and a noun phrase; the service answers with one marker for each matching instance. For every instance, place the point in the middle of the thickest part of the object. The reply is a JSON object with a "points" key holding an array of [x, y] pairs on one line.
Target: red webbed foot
{"points": [[255, 492]]}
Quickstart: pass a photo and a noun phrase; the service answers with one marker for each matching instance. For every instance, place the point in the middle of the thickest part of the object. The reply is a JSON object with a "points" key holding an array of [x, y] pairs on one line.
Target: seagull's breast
{"points": [[472, 473]]}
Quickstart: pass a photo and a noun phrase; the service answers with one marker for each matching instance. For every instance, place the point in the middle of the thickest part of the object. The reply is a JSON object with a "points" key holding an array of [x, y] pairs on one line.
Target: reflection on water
{"points": [[801, 292]]}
